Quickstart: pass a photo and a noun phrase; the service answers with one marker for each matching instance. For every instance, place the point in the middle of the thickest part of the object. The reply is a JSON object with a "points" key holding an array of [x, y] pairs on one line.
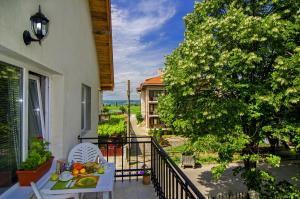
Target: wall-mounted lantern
{"points": [[39, 25]]}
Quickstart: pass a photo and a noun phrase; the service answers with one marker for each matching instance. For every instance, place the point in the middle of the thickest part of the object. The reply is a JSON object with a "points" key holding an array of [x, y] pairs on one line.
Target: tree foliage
{"points": [[236, 76]]}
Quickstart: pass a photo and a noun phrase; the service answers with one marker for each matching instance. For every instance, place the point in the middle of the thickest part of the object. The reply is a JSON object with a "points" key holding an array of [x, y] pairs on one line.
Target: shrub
{"points": [[105, 109], [122, 109], [139, 117], [115, 126], [157, 134]]}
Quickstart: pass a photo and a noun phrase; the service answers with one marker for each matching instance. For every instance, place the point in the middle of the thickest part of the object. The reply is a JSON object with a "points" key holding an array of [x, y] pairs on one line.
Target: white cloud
{"points": [[134, 58]]}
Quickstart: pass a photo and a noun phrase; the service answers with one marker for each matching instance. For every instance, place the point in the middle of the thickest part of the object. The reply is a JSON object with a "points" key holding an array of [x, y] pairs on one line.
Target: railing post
{"points": [[98, 141], [79, 139], [151, 159]]}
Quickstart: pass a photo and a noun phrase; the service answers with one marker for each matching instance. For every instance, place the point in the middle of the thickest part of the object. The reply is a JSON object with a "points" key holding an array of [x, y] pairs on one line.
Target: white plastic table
{"points": [[104, 185]]}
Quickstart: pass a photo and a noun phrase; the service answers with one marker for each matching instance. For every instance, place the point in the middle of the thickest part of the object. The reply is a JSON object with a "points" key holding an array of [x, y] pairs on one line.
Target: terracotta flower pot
{"points": [[25, 177], [146, 179]]}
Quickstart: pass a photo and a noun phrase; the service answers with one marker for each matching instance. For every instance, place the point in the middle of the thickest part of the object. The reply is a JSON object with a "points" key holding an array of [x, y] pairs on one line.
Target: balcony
{"points": [[153, 109], [154, 95], [153, 99], [130, 155], [157, 126], [153, 113], [129, 189]]}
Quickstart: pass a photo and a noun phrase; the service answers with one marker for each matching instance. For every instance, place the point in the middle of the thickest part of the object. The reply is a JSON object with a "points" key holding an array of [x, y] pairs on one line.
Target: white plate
{"points": [[65, 176]]}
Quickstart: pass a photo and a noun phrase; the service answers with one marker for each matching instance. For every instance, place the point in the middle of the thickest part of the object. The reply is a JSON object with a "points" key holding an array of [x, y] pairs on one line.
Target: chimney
{"points": [[160, 71]]}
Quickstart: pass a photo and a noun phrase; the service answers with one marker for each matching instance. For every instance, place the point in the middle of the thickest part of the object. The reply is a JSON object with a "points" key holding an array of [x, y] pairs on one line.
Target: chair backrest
{"points": [[36, 191], [85, 152]]}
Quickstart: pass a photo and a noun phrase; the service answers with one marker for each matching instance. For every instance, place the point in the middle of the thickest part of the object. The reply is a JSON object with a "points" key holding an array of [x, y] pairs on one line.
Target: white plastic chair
{"points": [[86, 152], [39, 195]]}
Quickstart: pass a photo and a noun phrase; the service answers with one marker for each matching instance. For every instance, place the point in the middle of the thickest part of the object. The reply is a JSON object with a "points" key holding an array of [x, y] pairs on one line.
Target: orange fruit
{"points": [[82, 170], [78, 165], [75, 172]]}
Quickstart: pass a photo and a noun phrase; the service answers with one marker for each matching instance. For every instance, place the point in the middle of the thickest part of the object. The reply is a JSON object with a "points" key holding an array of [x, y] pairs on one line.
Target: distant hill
{"points": [[120, 102]]}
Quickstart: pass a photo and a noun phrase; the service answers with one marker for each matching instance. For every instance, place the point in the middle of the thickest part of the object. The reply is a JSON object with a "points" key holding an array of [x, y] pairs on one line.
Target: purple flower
{"points": [[141, 173]]}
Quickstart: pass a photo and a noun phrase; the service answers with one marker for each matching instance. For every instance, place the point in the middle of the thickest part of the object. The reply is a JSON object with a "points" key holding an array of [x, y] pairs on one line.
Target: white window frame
{"points": [[46, 124], [43, 123], [86, 110]]}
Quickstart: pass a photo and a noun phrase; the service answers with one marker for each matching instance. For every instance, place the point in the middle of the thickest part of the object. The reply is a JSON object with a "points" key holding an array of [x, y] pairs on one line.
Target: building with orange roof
{"points": [[149, 91]]}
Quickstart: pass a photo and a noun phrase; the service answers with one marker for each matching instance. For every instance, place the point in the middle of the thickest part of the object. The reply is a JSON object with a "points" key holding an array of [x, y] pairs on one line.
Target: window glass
{"points": [[155, 122], [36, 107], [85, 108], [10, 123], [153, 109], [154, 94]]}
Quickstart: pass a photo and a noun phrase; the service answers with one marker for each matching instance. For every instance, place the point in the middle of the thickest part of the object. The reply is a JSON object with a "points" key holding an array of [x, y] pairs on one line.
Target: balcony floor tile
{"points": [[130, 190]]}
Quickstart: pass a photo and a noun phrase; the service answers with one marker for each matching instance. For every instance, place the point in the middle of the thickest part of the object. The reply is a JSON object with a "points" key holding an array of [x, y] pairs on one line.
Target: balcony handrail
{"points": [[128, 137], [187, 181]]}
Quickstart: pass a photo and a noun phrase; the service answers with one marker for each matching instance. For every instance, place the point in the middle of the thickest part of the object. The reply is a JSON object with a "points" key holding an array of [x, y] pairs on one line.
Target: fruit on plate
{"points": [[87, 181], [90, 164], [82, 171], [78, 165], [54, 177], [75, 172], [90, 167], [100, 170]]}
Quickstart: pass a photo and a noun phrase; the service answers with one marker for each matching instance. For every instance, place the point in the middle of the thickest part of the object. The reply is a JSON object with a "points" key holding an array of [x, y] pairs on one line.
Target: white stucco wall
{"points": [[143, 103], [67, 56]]}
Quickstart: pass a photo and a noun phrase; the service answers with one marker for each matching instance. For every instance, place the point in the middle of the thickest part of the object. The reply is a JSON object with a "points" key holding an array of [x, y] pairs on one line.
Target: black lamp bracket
{"points": [[28, 39]]}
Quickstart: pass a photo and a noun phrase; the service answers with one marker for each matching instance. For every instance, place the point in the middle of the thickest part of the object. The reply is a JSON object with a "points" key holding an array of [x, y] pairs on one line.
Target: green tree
{"points": [[236, 76]]}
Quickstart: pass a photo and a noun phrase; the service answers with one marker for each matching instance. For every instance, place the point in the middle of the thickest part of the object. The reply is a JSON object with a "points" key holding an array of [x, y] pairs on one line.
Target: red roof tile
{"points": [[153, 80]]}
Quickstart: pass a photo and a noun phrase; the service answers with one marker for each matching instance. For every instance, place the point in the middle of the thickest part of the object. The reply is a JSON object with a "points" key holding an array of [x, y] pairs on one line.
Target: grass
{"points": [[175, 152], [134, 108], [202, 158], [177, 149]]}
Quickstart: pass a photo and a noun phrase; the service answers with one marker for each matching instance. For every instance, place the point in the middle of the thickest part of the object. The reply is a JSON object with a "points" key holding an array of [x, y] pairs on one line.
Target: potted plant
{"points": [[187, 158], [146, 175], [38, 162]]}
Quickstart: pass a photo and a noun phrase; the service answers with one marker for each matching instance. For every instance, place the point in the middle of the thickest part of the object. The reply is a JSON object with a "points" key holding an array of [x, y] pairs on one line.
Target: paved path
{"points": [[136, 129], [203, 179], [142, 150]]}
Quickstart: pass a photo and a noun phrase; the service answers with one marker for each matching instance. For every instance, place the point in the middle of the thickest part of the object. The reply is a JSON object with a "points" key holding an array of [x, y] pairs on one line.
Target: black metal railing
{"points": [[131, 155], [168, 179]]}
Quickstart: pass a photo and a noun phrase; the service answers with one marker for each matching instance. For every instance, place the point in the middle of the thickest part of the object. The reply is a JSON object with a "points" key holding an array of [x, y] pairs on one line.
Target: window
{"points": [[155, 122], [14, 139], [37, 95], [10, 123], [153, 109], [154, 94], [85, 108]]}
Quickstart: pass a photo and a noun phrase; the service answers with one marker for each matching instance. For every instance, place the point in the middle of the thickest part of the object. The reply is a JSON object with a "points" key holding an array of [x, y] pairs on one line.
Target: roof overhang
{"points": [[101, 21], [142, 86]]}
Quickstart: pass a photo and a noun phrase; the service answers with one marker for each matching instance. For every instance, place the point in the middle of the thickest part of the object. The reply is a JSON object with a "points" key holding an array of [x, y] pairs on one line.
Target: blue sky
{"points": [[144, 32]]}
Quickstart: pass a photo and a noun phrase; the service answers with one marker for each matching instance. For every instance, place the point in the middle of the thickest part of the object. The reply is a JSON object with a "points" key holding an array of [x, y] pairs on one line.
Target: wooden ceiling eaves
{"points": [[101, 21]]}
